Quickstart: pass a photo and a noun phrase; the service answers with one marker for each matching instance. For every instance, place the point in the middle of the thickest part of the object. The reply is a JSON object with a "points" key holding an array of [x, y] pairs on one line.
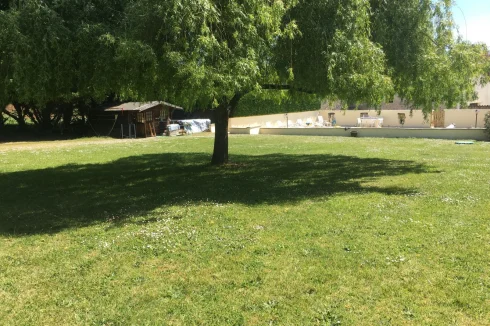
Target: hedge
{"points": [[275, 102]]}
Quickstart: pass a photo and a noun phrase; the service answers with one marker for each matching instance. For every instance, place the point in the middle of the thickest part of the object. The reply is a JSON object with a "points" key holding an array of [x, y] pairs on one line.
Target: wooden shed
{"points": [[143, 119]]}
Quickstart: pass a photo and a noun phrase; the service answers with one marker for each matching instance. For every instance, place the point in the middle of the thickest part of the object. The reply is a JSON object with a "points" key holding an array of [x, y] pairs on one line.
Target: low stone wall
{"points": [[465, 118], [245, 131], [436, 133]]}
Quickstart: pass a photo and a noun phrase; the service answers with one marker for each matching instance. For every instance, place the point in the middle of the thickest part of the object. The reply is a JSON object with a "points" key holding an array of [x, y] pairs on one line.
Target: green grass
{"points": [[297, 231]]}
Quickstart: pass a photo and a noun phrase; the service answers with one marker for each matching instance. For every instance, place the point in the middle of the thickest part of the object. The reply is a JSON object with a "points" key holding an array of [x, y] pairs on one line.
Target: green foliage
{"points": [[43, 59], [60, 51], [7, 53], [207, 51], [274, 102], [487, 123], [333, 55], [428, 65]]}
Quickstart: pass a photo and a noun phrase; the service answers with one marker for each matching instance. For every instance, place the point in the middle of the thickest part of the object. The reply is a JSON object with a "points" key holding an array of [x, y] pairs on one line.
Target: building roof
{"points": [[140, 106]]}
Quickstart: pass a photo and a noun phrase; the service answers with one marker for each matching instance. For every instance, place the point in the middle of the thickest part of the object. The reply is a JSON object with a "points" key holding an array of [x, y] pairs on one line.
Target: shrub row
{"points": [[275, 102]]}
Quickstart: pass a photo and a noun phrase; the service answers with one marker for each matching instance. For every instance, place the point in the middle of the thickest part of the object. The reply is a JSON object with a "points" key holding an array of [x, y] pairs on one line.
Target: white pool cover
{"points": [[196, 125]]}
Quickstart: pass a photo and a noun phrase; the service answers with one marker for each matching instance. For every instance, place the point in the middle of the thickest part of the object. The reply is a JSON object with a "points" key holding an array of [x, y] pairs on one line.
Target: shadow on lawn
{"points": [[50, 200]]}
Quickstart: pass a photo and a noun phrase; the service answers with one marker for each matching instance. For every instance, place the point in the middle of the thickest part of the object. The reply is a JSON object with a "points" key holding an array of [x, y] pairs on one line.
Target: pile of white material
{"points": [[173, 127], [196, 125]]}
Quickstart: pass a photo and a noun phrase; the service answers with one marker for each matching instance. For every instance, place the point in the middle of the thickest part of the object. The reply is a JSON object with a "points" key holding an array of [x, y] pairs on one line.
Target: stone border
{"points": [[436, 133]]}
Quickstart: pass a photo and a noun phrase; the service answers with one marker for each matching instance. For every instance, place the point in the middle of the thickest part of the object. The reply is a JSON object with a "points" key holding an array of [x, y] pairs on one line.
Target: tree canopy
{"points": [[428, 64], [210, 53]]}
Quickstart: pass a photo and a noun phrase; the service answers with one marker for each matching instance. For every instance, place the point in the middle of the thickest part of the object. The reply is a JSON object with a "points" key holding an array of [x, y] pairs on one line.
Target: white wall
{"points": [[261, 120], [390, 118], [464, 118]]}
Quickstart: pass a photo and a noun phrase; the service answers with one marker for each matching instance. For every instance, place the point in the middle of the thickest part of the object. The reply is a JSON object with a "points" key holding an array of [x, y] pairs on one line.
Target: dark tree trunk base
{"points": [[223, 111], [220, 152]]}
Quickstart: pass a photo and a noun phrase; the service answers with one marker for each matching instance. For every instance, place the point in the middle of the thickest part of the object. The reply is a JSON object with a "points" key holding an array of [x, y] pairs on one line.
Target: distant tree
{"points": [[428, 64], [58, 53]]}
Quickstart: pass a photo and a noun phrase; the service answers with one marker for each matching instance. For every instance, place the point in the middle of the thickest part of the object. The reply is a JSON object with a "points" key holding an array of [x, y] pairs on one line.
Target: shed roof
{"points": [[140, 106]]}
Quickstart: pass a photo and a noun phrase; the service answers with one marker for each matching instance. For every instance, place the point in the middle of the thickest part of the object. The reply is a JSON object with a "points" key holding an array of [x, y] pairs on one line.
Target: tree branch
{"points": [[232, 105], [10, 115]]}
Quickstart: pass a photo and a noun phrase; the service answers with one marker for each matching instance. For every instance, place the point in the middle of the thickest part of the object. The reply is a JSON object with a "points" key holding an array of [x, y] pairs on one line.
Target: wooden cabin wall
{"points": [[143, 129]]}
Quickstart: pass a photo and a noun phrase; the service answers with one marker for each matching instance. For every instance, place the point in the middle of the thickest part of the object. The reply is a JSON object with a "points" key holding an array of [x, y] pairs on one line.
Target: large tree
{"points": [[214, 51], [58, 54], [210, 53], [357, 51]]}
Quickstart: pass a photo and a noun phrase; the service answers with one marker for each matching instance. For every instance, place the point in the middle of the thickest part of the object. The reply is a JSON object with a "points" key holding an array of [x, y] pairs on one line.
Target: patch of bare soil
{"points": [[27, 146]]}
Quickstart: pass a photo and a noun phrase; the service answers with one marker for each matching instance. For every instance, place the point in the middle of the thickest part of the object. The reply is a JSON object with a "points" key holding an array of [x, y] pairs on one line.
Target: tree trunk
{"points": [[46, 118], [19, 117], [67, 115], [222, 114], [21, 121], [19, 108], [33, 115], [220, 152]]}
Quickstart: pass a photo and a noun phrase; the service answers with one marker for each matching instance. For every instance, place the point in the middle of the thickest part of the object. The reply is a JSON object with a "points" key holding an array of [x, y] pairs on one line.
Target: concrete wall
{"points": [[244, 131], [464, 118], [461, 134], [483, 95], [261, 120], [390, 118]]}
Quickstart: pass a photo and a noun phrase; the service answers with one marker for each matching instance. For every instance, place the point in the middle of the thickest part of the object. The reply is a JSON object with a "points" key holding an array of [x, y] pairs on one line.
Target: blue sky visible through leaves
{"points": [[477, 13]]}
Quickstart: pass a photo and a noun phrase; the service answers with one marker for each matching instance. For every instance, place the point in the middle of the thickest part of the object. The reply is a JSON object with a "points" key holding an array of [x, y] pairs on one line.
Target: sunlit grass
{"points": [[296, 231]]}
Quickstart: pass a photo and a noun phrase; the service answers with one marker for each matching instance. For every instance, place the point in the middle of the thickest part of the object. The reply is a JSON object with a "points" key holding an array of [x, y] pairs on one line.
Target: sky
{"points": [[477, 13]]}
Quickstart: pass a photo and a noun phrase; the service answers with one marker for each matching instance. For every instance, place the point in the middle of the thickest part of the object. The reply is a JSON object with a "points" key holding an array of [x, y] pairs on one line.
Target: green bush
{"points": [[276, 102], [487, 123]]}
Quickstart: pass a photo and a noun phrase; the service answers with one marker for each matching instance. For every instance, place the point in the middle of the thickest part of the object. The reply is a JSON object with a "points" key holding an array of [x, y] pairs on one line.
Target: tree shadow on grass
{"points": [[54, 199]]}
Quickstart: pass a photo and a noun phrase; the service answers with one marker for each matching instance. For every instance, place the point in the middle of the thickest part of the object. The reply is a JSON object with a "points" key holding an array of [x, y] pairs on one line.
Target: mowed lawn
{"points": [[295, 231]]}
